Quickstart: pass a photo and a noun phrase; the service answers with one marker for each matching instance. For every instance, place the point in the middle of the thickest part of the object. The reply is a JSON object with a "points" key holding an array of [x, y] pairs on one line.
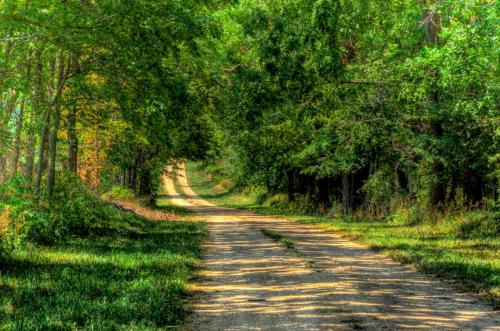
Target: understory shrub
{"points": [[73, 211], [279, 200], [70, 212], [300, 203], [120, 193], [4, 229], [478, 225]]}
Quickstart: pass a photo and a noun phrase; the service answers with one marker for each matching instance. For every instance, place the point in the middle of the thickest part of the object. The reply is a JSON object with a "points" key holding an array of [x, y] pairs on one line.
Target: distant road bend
{"points": [[250, 282]]}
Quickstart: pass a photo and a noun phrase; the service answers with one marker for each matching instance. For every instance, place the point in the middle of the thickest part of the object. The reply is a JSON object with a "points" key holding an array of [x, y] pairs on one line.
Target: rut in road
{"points": [[249, 282]]}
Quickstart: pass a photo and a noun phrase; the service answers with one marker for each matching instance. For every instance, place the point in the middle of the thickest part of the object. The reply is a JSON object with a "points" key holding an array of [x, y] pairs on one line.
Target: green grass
{"points": [[433, 247], [132, 275]]}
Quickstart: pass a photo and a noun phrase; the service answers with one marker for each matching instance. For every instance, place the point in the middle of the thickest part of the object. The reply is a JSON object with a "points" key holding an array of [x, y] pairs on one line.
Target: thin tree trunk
{"points": [[11, 105], [35, 111], [41, 152], [5, 132], [8, 49], [45, 133], [432, 23], [30, 154], [54, 127], [3, 168], [17, 143], [20, 122], [97, 150], [72, 139], [346, 194]]}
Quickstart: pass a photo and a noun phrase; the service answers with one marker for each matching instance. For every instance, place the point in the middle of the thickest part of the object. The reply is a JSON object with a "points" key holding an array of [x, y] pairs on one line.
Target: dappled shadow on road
{"points": [[250, 282]]}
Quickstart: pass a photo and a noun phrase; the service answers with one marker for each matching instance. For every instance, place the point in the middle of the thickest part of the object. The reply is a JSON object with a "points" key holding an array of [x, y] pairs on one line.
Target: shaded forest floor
{"points": [[469, 263], [131, 275]]}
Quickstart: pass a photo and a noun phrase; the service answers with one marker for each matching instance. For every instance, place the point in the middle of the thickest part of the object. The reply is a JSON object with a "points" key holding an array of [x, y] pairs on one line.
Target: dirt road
{"points": [[250, 282]]}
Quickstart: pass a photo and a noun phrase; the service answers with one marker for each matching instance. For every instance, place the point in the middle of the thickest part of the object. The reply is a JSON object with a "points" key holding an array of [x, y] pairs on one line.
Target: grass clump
{"points": [[478, 225], [104, 270], [120, 193]]}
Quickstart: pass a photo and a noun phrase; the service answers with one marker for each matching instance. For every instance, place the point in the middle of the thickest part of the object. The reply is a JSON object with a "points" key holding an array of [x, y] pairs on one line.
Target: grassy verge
{"points": [[437, 248], [129, 274]]}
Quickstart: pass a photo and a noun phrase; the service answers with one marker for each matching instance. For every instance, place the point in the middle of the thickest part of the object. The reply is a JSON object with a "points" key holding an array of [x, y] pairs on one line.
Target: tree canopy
{"points": [[344, 101]]}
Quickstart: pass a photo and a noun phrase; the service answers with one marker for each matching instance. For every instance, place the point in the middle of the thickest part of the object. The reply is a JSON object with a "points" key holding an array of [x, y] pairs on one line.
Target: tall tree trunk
{"points": [[45, 132], [3, 168], [346, 194], [8, 50], [20, 121], [17, 142], [54, 126], [473, 187], [72, 139], [5, 132], [30, 154], [97, 151], [432, 23], [71, 128], [438, 190], [289, 184], [35, 112], [11, 106]]}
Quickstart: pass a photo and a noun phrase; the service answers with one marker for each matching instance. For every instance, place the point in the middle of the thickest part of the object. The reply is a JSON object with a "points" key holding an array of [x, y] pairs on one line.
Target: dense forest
{"points": [[349, 101], [363, 103], [362, 107]]}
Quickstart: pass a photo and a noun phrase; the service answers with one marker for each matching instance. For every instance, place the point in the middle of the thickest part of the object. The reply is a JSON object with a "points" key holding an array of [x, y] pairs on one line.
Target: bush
{"points": [[279, 201], [120, 193], [4, 228], [379, 190], [13, 201], [478, 225], [411, 216], [73, 211]]}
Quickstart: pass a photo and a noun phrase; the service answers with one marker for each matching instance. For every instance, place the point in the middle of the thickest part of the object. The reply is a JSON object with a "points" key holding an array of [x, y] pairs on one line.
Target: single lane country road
{"points": [[250, 282]]}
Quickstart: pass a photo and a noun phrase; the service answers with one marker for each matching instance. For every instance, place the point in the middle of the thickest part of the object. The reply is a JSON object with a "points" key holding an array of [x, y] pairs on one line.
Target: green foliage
{"points": [[276, 201], [120, 193], [73, 211], [313, 92], [378, 190], [15, 201], [478, 225]]}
